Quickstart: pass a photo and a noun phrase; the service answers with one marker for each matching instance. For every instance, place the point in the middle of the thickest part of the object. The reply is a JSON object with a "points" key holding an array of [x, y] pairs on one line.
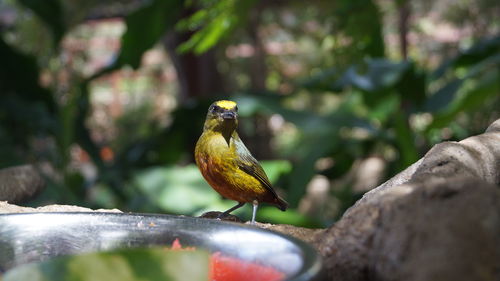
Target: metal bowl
{"points": [[30, 237]]}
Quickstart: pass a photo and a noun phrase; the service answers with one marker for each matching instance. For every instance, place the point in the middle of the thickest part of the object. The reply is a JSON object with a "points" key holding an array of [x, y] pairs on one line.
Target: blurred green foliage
{"points": [[123, 265], [211, 22], [350, 103]]}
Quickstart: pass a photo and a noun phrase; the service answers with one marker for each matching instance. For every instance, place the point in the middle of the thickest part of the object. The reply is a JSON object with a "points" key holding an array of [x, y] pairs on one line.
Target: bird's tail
{"points": [[281, 204]]}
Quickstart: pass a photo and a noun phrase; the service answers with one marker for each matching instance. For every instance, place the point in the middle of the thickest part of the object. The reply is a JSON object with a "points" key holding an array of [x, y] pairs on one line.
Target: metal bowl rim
{"points": [[311, 268]]}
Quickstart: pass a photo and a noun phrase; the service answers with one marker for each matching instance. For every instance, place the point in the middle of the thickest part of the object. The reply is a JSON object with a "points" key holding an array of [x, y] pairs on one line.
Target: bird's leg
{"points": [[223, 215], [254, 212]]}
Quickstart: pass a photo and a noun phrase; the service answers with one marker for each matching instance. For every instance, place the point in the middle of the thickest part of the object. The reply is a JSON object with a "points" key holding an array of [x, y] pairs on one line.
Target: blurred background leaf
{"points": [[50, 12], [124, 265], [211, 22]]}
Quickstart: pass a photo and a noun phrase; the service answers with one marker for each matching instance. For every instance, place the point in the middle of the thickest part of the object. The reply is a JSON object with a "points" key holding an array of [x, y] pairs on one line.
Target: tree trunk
{"points": [[404, 15], [198, 75]]}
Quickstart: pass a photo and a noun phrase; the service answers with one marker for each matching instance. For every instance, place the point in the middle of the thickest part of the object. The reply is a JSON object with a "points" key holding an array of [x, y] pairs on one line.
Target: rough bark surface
{"points": [[20, 183], [437, 220], [312, 236]]}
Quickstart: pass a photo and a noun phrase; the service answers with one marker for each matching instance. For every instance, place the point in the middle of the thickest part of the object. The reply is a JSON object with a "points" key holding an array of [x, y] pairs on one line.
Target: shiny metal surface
{"points": [[39, 236]]}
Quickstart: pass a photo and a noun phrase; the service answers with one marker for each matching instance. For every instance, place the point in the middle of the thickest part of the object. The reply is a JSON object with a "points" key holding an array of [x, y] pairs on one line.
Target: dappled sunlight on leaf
{"points": [[182, 189]]}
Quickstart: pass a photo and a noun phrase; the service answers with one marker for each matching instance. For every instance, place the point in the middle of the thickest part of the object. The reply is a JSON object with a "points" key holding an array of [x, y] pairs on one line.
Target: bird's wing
{"points": [[251, 166]]}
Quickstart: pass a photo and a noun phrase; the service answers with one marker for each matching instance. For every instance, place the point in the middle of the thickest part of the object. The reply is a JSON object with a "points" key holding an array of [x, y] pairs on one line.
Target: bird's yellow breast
{"points": [[217, 162]]}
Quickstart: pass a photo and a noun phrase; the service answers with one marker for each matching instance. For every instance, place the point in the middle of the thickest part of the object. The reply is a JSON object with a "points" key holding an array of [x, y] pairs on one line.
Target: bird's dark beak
{"points": [[229, 115]]}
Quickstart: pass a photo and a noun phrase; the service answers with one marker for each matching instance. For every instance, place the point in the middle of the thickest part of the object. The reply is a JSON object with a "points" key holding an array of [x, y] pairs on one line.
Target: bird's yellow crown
{"points": [[226, 104]]}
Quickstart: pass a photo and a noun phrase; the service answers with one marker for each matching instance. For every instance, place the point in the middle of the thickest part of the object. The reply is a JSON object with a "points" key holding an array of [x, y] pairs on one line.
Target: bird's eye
{"points": [[215, 108], [236, 108]]}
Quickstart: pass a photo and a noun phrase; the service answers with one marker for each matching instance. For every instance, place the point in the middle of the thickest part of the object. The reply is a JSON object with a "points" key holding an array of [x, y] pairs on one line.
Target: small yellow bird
{"points": [[228, 166]]}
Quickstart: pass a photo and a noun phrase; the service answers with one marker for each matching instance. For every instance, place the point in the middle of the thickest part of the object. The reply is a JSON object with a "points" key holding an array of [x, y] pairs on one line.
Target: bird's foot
{"points": [[220, 216]]}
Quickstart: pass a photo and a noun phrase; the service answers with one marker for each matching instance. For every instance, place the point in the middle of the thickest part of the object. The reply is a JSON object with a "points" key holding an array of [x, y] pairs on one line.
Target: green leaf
{"points": [[385, 108], [324, 80], [180, 190], [377, 78], [145, 26], [291, 217], [405, 140], [50, 12], [275, 168], [20, 74], [223, 17], [183, 190], [27, 109], [378, 74], [360, 20], [444, 97], [412, 85], [270, 104], [374, 77], [483, 49], [122, 265], [484, 89]]}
